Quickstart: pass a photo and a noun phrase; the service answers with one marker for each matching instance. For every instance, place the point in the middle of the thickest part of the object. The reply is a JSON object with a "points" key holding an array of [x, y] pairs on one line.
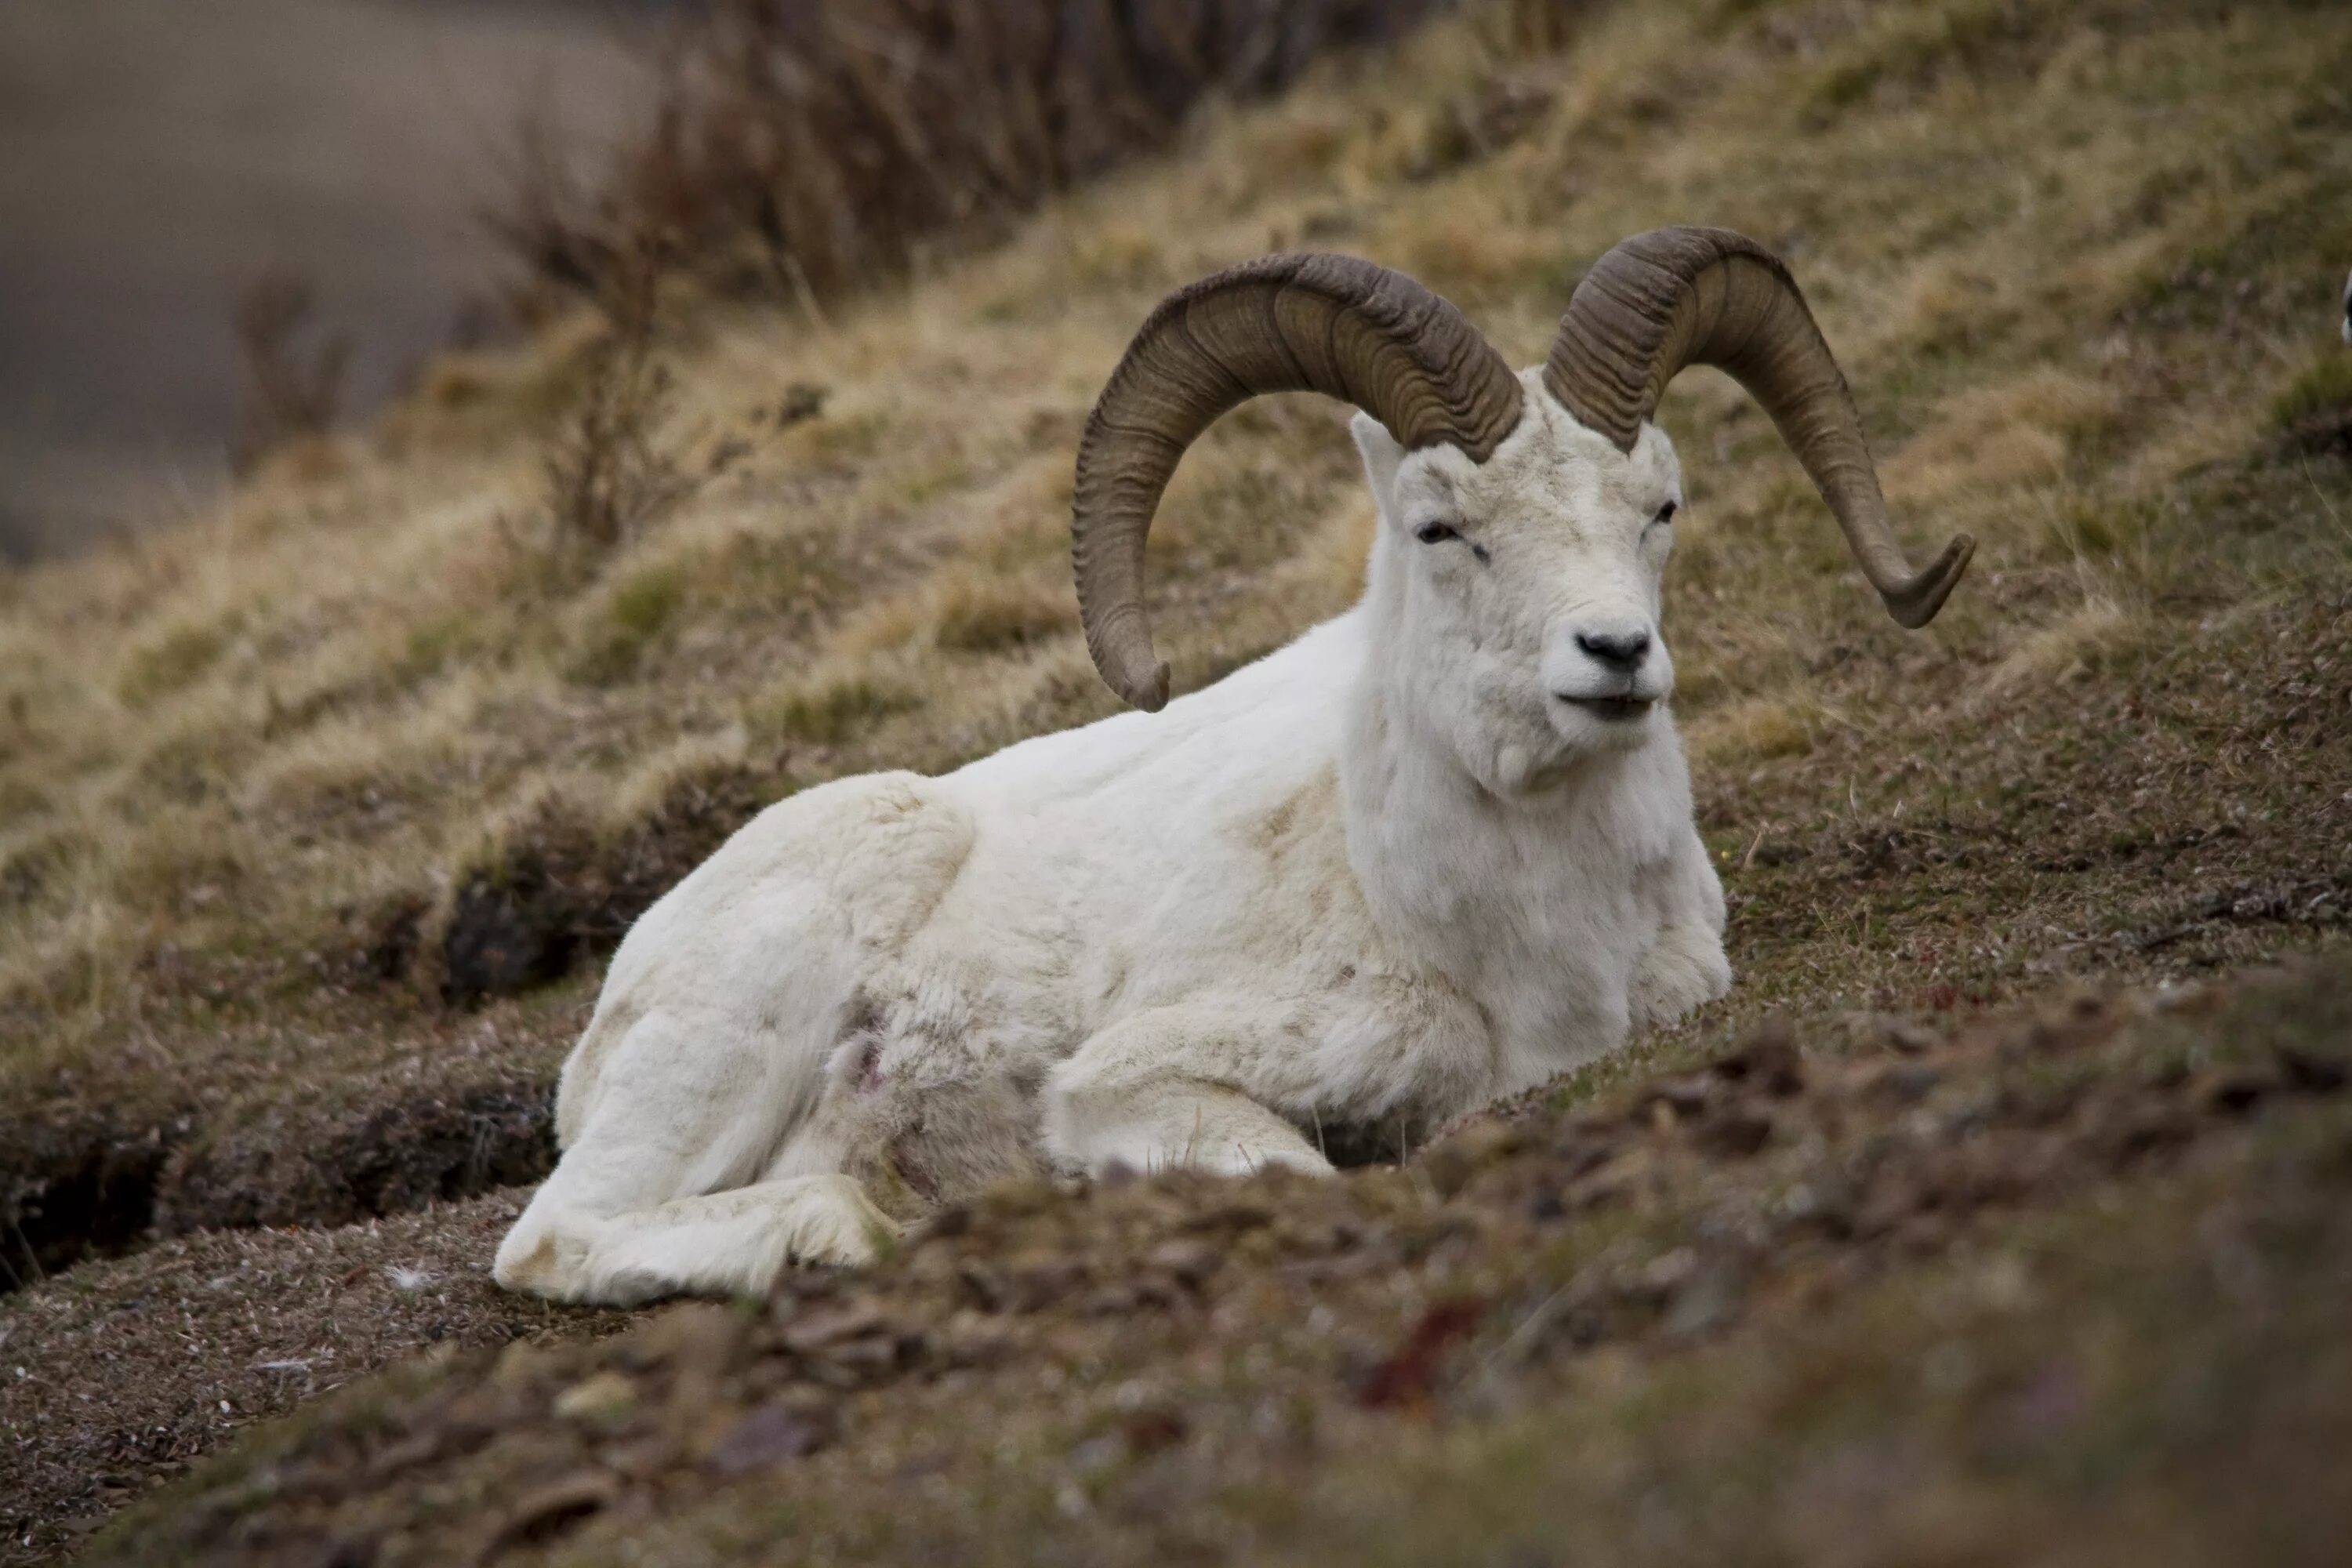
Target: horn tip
{"points": [[1147, 693], [1915, 604]]}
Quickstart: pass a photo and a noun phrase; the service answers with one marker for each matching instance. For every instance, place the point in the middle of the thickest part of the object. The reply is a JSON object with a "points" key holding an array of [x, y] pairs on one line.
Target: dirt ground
{"points": [[1937, 1283]]}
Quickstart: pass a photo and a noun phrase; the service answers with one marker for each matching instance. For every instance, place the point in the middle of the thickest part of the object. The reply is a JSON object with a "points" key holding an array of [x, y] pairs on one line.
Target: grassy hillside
{"points": [[316, 817]]}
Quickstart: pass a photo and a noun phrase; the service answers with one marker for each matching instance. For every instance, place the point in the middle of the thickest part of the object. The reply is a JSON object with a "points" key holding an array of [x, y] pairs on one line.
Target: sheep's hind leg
{"points": [[672, 1185], [1153, 1093], [732, 1243]]}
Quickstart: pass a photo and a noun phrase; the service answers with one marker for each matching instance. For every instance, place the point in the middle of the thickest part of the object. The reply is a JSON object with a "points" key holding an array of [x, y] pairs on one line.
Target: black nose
{"points": [[1618, 650]]}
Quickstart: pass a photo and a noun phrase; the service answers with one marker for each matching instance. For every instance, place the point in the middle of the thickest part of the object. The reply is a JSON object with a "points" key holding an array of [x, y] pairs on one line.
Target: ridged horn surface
{"points": [[1677, 297], [1333, 324]]}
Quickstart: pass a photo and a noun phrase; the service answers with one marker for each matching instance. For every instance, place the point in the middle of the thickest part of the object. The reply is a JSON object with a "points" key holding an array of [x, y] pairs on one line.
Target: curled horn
{"points": [[1332, 324], [1676, 297]]}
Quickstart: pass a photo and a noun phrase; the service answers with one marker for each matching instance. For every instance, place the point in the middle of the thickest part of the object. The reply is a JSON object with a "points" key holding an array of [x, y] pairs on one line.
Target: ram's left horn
{"points": [[1677, 297]]}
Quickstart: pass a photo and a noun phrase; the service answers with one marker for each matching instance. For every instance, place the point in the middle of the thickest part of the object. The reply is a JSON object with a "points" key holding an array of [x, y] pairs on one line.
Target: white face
{"points": [[1525, 589]]}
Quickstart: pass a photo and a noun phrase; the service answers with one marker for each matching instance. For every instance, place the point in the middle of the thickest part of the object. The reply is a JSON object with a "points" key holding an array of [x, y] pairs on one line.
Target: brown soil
{"points": [[1140, 1369], [98, 1187], [114, 1377]]}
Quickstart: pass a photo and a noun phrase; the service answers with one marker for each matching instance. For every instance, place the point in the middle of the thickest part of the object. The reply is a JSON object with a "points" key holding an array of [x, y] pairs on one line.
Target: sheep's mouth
{"points": [[1612, 709]]}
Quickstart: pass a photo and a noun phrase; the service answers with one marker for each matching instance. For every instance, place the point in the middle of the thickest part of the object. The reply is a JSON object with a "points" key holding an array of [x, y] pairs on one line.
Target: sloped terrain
{"points": [[316, 819], [1793, 1300]]}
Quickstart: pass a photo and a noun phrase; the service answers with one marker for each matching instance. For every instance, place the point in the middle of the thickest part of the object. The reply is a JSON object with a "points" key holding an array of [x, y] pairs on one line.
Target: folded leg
{"points": [[1158, 1090]]}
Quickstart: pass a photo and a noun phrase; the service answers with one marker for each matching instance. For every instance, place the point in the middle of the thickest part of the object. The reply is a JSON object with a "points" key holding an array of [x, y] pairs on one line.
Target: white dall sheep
{"points": [[1435, 850]]}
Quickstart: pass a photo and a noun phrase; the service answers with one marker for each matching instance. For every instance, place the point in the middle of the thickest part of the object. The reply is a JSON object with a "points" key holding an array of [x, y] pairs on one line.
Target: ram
{"points": [[1433, 851]]}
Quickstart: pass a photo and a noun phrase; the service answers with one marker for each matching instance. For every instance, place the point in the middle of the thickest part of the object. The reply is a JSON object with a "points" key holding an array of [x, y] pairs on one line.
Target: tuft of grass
{"points": [[635, 618], [643, 606], [433, 644], [1761, 728], [1910, 50], [175, 661], [990, 615], [2321, 394], [831, 713], [2061, 653]]}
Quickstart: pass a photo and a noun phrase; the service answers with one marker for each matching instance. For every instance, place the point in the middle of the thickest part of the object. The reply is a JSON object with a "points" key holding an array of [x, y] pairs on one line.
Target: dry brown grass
{"points": [[2070, 268]]}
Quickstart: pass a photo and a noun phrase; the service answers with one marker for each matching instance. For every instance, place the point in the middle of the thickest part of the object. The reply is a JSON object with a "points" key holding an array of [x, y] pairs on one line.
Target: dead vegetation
{"points": [[293, 369], [316, 816], [803, 150], [608, 475]]}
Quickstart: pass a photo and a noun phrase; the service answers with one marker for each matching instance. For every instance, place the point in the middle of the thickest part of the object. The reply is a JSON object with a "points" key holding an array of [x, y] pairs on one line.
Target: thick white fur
{"points": [[1378, 877]]}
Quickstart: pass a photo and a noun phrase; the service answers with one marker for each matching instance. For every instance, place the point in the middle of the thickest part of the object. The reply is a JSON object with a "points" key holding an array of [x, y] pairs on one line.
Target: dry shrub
{"points": [[293, 374], [805, 145], [607, 477]]}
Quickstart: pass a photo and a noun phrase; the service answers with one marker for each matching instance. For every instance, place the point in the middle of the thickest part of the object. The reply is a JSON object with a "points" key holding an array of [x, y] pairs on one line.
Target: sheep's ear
{"points": [[1381, 455]]}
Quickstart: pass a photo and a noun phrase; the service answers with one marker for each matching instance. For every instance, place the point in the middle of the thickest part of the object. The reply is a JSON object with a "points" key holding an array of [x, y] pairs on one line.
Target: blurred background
{"points": [[227, 225], [312, 166]]}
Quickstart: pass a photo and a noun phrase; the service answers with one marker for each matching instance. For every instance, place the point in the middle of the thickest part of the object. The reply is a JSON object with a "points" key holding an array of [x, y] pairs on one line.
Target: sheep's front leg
{"points": [[1158, 1091], [1684, 967]]}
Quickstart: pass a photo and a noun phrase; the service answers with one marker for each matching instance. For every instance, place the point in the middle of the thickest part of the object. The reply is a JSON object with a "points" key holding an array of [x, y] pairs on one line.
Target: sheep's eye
{"points": [[1665, 513], [1434, 533]]}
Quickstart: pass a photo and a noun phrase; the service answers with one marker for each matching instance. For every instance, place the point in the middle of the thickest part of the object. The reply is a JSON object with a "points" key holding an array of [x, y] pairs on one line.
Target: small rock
{"points": [[1769, 1060], [1707, 1300], [1906, 1084], [2307, 1073], [828, 1327], [802, 401], [1667, 1104], [1190, 1262], [606, 1398], [971, 1339], [1452, 1163], [1409, 1375], [552, 1509], [702, 1335], [1039, 1280], [1152, 1429], [1735, 1134], [1237, 1216], [1904, 1037], [770, 1436], [2234, 1091], [985, 1286]]}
